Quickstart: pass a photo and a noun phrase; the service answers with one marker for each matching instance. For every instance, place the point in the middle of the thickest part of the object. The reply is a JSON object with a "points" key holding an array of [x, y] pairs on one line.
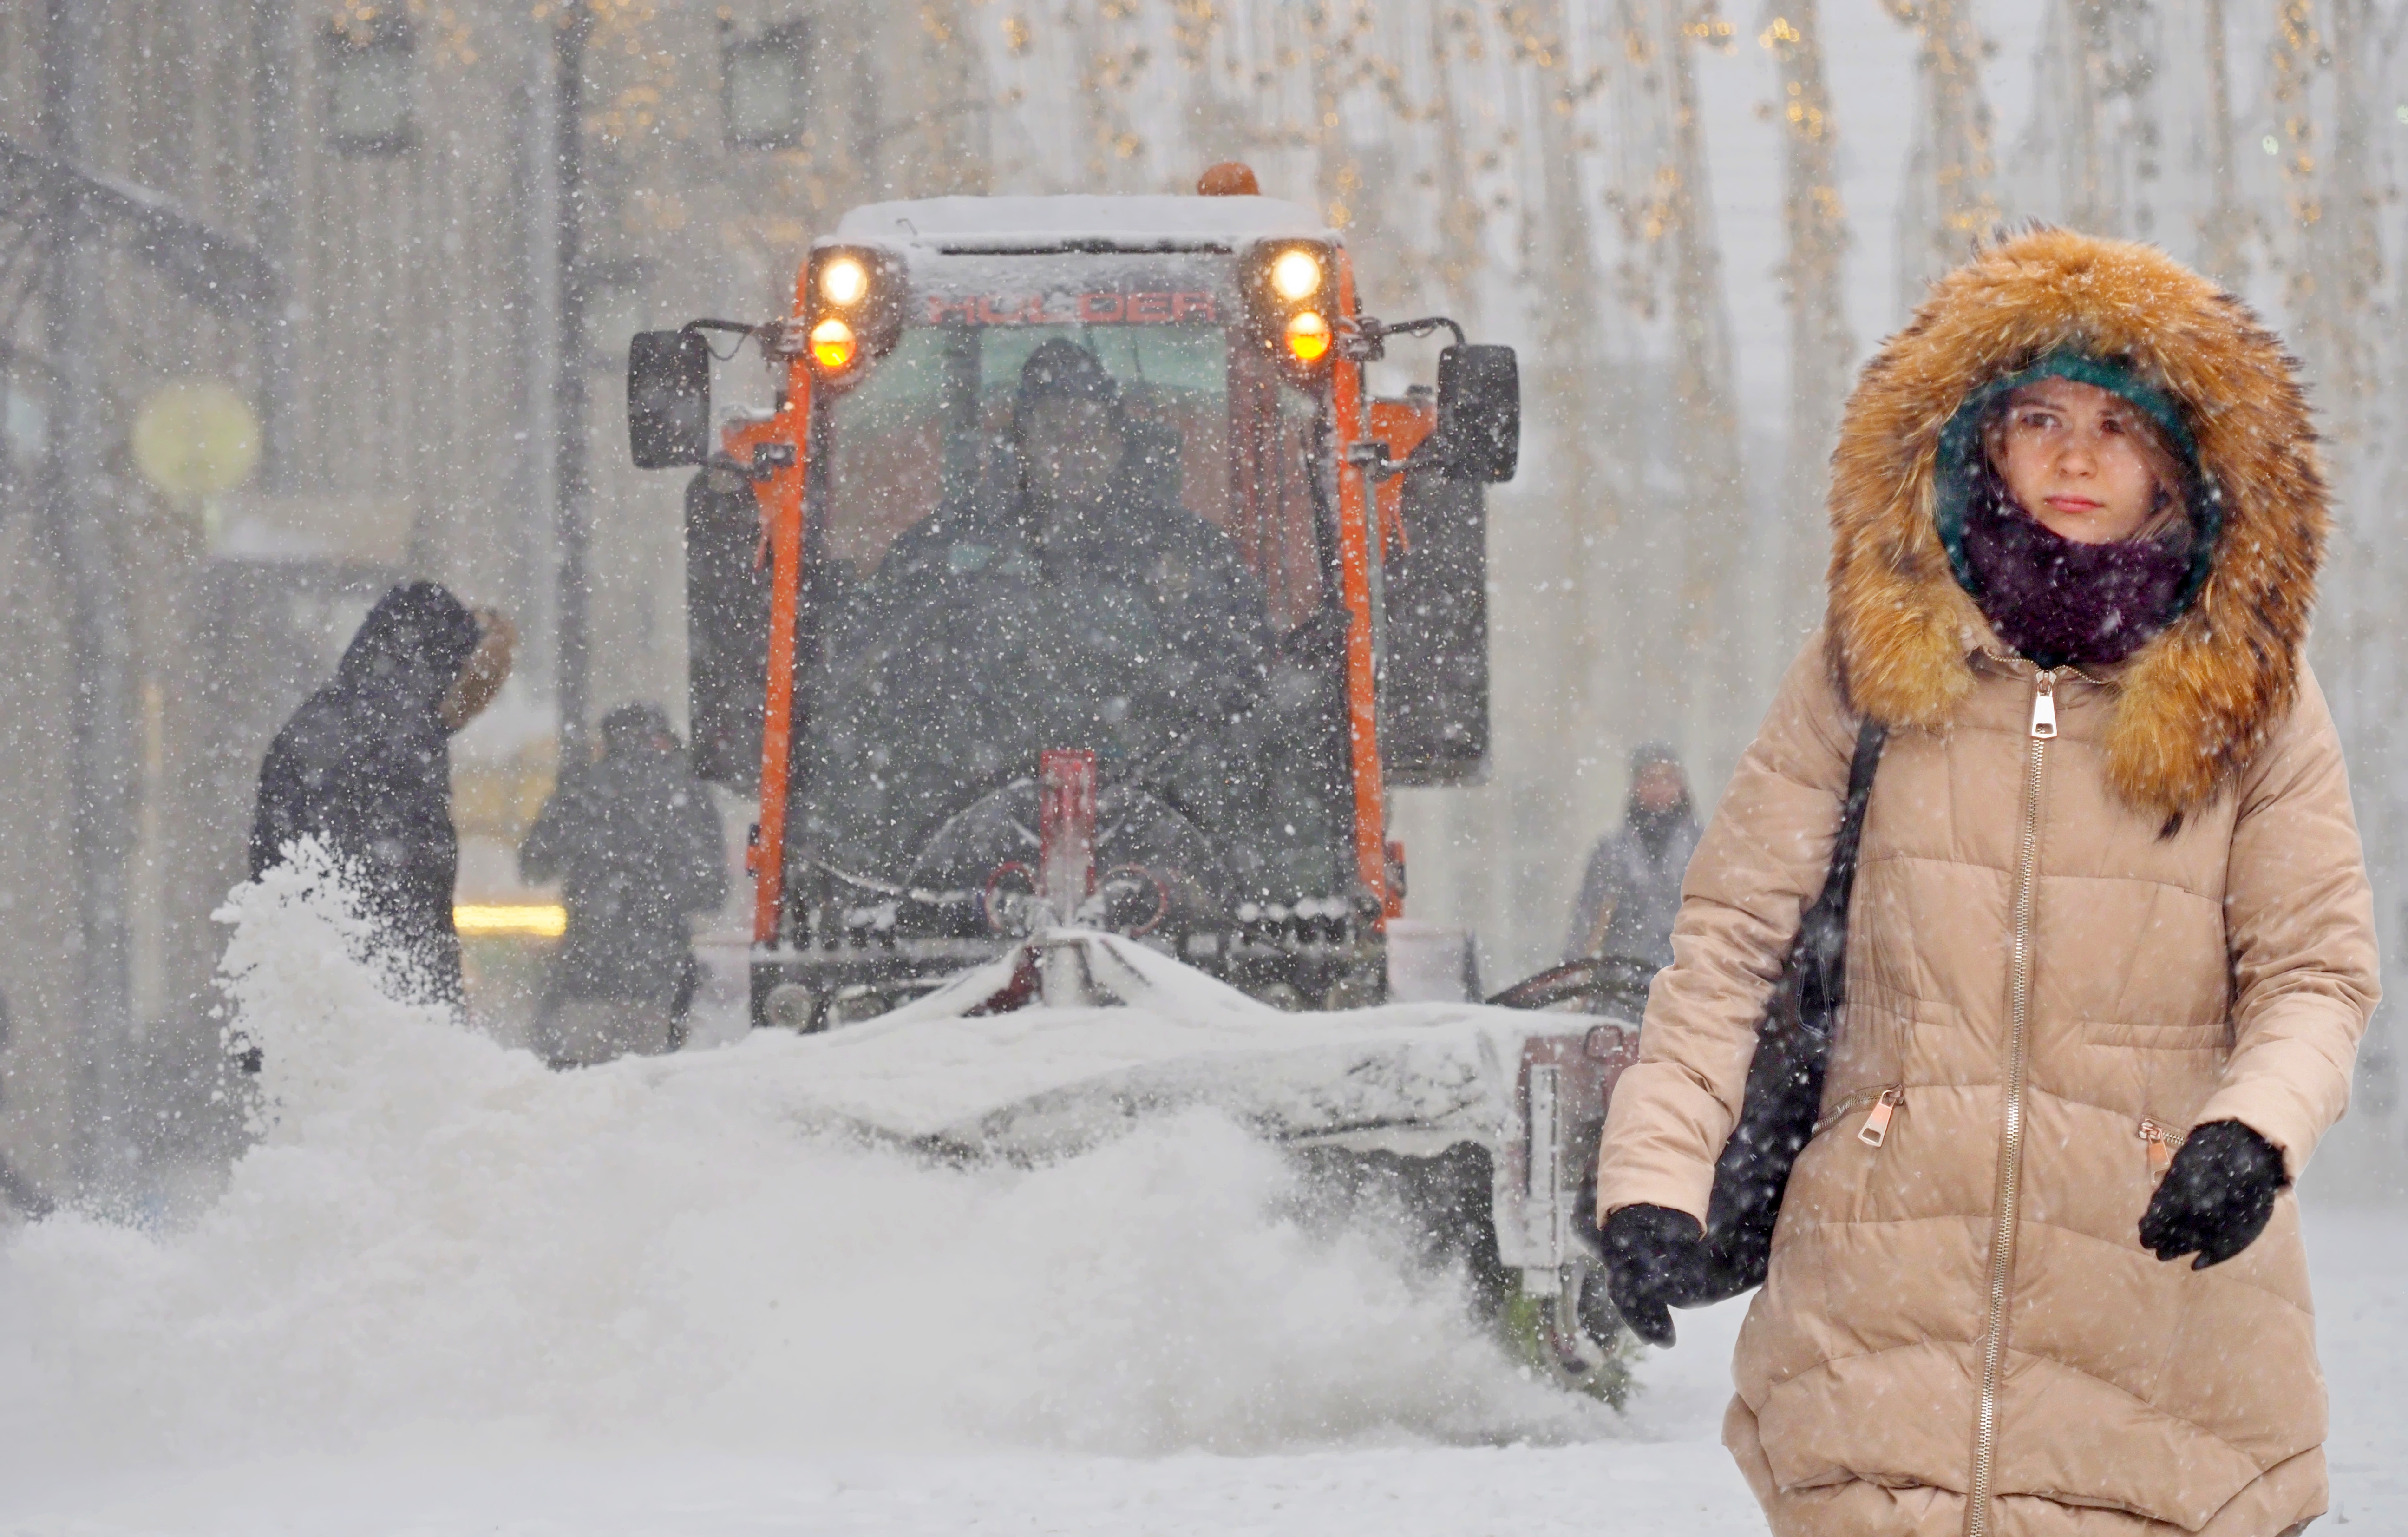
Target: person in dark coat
{"points": [[635, 843], [1631, 891], [364, 767]]}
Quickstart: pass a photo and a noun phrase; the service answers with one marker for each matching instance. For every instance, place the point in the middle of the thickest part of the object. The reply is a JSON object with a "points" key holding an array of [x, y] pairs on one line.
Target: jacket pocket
{"points": [[1879, 1105], [2210, 1036]]}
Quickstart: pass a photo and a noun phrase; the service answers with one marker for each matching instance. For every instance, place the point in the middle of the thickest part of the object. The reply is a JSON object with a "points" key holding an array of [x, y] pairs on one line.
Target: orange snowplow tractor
{"points": [[1229, 179]]}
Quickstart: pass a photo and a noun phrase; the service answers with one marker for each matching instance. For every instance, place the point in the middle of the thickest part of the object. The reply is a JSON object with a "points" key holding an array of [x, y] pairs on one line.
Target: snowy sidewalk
{"points": [[1685, 1488], [1669, 1476], [1681, 1482]]}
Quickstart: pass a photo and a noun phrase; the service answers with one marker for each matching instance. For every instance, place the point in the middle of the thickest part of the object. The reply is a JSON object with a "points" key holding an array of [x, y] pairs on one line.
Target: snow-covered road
{"points": [[1658, 1470], [450, 1293]]}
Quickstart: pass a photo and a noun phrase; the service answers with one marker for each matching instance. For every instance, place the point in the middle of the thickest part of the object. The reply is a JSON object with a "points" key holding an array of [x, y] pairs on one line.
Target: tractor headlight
{"points": [[1292, 309], [849, 299], [1295, 274], [844, 282]]}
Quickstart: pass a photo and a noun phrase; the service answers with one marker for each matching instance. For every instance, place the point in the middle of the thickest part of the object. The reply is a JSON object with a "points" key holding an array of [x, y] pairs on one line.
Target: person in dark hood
{"points": [[635, 843], [364, 767], [1631, 892]]}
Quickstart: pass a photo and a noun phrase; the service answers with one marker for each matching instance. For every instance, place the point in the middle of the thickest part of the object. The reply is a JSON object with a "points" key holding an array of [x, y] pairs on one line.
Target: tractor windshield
{"points": [[1082, 517]]}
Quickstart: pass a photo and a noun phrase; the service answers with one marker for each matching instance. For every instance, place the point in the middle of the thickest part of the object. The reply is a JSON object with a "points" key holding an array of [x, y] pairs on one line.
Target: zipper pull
{"points": [[1876, 1127], [2162, 1142], [2044, 726]]}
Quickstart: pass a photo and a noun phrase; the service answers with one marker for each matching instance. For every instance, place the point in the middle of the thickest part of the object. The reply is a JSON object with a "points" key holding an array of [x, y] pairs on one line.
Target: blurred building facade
{"points": [[393, 412]]}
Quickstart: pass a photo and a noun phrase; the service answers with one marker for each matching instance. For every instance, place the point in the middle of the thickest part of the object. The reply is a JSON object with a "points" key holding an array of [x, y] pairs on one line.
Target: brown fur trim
{"points": [[2197, 701]]}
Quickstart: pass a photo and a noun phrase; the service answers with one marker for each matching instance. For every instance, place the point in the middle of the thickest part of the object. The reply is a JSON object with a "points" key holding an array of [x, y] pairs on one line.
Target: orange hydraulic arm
{"points": [[786, 435], [1354, 572]]}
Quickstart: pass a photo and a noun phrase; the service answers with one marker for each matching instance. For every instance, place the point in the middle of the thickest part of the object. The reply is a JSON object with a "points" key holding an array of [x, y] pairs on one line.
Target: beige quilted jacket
{"points": [[2092, 913]]}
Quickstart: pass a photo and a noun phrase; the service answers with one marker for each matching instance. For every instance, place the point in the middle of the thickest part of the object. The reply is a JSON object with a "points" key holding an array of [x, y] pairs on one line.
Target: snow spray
{"points": [[434, 1235]]}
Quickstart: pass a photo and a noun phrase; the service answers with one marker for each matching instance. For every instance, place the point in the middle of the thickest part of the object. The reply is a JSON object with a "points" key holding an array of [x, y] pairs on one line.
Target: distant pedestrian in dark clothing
{"points": [[1631, 892], [635, 842], [364, 766]]}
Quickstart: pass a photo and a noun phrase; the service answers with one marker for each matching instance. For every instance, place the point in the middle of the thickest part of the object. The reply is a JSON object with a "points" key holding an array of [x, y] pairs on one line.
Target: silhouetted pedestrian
{"points": [[1631, 891], [635, 843], [364, 767]]}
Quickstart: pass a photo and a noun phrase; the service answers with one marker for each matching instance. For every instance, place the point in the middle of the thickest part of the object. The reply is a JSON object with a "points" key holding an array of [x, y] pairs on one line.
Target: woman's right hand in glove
{"points": [[1656, 1260]]}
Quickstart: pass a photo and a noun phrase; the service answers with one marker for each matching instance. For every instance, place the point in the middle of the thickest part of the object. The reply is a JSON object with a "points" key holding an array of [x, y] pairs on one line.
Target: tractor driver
{"points": [[1071, 441], [1081, 521], [1077, 609], [1080, 507]]}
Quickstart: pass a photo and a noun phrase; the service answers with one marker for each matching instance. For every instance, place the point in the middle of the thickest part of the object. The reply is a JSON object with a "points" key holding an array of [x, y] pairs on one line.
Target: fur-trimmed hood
{"points": [[2197, 701]]}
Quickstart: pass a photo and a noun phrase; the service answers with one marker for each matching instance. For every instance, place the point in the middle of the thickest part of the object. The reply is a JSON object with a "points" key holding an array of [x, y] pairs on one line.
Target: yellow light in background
{"points": [[524, 920], [844, 280], [1295, 274], [1308, 337], [832, 345], [196, 439]]}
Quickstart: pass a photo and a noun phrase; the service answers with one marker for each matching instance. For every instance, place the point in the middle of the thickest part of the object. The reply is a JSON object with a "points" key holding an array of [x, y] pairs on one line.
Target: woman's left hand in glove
{"points": [[2216, 1196]]}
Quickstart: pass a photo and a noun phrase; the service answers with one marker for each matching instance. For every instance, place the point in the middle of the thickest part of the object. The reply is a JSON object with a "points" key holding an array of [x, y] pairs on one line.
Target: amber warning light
{"points": [[832, 345], [1307, 338]]}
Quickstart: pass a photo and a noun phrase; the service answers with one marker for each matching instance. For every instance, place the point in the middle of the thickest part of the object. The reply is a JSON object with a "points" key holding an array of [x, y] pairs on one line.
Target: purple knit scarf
{"points": [[2055, 601]]}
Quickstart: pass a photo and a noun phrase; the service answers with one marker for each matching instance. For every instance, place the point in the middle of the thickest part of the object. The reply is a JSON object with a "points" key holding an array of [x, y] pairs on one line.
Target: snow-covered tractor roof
{"points": [[1077, 222]]}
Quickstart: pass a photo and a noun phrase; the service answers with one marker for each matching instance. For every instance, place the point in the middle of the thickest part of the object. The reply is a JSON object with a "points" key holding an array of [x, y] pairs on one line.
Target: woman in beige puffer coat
{"points": [[2106, 898]]}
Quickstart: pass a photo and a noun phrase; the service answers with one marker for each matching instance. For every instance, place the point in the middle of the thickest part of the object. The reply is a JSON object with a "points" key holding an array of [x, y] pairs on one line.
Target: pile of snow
{"points": [[436, 1238]]}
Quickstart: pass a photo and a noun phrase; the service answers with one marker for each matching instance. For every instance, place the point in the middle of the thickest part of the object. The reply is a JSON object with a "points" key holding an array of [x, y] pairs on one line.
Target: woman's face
{"points": [[2080, 459]]}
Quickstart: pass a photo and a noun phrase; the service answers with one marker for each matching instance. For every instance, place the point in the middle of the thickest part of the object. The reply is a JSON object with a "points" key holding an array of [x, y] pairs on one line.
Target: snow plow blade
{"points": [[1490, 1114]]}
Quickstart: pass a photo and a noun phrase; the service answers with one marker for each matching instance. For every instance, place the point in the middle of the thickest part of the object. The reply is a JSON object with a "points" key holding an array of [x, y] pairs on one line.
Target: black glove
{"points": [[1656, 1259], [2215, 1197]]}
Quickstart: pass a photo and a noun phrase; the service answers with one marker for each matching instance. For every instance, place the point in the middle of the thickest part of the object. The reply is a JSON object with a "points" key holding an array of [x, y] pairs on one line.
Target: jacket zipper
{"points": [[2164, 1143], [1876, 1127], [1881, 1104], [2011, 1128]]}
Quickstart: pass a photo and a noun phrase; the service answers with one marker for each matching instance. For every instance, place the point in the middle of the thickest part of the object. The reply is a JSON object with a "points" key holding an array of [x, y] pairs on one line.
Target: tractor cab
{"points": [[1081, 487]]}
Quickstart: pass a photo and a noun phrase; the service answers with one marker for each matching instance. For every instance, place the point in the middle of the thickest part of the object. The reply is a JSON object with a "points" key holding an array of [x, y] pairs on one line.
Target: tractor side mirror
{"points": [[668, 398], [1479, 435]]}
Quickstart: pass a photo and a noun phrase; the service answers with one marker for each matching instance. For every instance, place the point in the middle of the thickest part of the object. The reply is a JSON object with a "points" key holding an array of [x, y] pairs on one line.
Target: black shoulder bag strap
{"points": [[1793, 1046]]}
